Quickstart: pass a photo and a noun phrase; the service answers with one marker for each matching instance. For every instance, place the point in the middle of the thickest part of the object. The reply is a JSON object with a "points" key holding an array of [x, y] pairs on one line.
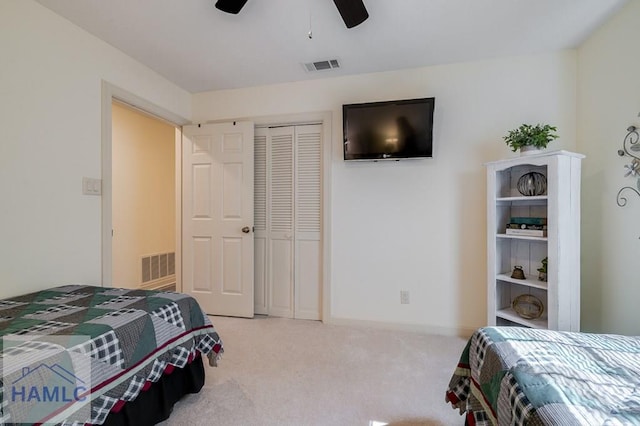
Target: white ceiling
{"points": [[200, 48]]}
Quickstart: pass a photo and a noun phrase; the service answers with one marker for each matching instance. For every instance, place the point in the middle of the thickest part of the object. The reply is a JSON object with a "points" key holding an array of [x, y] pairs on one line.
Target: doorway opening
{"points": [[144, 200], [160, 260]]}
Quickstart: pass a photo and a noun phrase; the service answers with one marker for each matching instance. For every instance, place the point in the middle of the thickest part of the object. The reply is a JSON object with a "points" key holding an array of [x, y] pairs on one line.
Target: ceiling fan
{"points": [[353, 12]]}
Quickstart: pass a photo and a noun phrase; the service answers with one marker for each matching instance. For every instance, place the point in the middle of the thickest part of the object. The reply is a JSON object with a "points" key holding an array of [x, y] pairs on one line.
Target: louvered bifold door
{"points": [[307, 247], [280, 216], [260, 221]]}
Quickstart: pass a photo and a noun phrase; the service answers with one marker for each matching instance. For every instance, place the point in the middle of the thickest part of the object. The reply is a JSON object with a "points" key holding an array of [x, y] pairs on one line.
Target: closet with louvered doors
{"points": [[288, 221]]}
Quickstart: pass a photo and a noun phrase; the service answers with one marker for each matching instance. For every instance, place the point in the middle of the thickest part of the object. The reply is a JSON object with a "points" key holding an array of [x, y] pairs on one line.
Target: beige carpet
{"points": [[293, 372]]}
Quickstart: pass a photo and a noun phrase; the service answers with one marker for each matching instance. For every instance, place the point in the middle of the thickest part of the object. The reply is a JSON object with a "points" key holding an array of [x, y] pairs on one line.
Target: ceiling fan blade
{"points": [[230, 6], [353, 12]]}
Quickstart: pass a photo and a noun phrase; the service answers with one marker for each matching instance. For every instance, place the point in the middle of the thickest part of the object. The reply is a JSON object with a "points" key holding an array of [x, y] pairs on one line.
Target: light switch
{"points": [[91, 186]]}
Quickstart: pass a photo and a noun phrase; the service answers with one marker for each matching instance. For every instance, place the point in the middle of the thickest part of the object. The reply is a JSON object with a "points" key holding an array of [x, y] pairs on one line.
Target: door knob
{"points": [[246, 229]]}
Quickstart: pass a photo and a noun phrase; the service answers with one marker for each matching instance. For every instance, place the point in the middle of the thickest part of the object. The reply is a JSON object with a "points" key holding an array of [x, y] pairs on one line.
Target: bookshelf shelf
{"points": [[510, 315], [526, 200], [557, 212], [522, 237], [529, 281]]}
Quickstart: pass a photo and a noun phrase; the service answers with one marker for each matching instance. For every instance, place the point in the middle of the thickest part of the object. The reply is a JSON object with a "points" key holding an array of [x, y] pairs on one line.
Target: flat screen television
{"points": [[388, 130]]}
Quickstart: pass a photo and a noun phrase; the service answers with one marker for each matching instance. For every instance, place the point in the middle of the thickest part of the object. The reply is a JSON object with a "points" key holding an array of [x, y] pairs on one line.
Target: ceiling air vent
{"points": [[329, 64]]}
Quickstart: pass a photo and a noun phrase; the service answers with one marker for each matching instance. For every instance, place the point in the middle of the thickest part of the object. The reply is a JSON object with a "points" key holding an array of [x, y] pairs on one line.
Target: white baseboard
{"points": [[160, 284], [415, 328]]}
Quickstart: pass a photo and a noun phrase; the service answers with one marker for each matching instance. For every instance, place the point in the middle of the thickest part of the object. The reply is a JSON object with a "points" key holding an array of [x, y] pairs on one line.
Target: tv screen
{"points": [[388, 130]]}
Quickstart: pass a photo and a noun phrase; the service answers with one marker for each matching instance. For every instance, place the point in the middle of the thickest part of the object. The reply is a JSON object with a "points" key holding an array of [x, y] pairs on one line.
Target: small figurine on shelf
{"points": [[542, 271], [518, 273]]}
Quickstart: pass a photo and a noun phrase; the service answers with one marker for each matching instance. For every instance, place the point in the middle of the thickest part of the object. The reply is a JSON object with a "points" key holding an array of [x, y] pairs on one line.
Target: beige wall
{"points": [[608, 102], [144, 202], [419, 225]]}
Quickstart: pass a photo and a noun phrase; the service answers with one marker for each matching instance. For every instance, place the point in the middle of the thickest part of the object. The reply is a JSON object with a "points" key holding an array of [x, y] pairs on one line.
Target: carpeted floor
{"points": [[293, 372]]}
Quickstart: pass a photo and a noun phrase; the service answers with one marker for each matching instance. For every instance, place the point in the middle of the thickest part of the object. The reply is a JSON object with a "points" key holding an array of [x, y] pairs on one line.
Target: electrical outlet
{"points": [[404, 297]]}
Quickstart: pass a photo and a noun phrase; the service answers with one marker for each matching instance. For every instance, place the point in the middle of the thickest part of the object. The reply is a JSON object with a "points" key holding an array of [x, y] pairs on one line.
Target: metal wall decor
{"points": [[630, 148]]}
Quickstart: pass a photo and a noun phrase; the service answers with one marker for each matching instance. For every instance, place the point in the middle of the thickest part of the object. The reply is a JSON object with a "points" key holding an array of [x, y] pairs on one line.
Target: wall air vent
{"points": [[158, 266], [329, 64]]}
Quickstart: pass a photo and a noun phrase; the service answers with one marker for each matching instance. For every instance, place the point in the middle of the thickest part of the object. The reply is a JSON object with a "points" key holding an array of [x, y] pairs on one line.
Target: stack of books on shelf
{"points": [[527, 226]]}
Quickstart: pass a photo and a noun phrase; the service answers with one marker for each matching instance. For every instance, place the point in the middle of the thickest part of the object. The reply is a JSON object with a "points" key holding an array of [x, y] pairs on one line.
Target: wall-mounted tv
{"points": [[388, 130]]}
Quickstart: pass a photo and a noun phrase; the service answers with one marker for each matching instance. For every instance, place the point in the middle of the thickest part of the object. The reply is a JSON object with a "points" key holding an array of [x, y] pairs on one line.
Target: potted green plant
{"points": [[542, 271], [530, 139]]}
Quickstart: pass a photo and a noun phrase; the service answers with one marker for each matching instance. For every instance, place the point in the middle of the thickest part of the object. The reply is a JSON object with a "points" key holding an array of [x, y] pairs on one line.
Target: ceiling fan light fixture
{"points": [[230, 6], [353, 12]]}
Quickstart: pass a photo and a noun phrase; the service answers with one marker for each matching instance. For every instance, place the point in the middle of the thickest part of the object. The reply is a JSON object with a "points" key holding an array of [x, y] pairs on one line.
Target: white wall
{"points": [[608, 102], [419, 225], [144, 192], [50, 100], [428, 215]]}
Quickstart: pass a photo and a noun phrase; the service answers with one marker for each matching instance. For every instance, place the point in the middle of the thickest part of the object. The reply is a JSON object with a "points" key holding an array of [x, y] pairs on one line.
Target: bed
{"points": [[92, 355], [515, 376]]}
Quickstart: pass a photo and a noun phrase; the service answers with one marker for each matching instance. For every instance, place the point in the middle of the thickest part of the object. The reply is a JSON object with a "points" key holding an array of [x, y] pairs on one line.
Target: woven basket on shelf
{"points": [[528, 306]]}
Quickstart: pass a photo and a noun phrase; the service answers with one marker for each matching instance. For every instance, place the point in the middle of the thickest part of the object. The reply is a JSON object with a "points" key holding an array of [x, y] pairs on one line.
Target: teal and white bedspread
{"points": [[129, 340], [522, 376]]}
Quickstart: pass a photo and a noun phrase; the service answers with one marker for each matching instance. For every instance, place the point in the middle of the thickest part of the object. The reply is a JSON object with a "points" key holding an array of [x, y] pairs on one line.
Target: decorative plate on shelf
{"points": [[528, 306]]}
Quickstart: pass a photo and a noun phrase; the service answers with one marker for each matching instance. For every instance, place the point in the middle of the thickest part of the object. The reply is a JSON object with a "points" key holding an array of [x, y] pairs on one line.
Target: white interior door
{"points": [[280, 259], [260, 237], [288, 221], [217, 242], [308, 222]]}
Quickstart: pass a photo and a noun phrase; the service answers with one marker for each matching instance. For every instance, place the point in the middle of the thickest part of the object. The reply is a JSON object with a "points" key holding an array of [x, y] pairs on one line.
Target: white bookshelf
{"points": [[560, 205]]}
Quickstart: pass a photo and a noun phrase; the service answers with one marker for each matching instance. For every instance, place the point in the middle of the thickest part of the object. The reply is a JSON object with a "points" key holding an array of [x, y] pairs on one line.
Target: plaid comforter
{"points": [[132, 337], [517, 376]]}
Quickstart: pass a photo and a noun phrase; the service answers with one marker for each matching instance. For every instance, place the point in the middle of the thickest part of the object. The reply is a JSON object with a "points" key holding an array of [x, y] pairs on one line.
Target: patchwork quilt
{"points": [[518, 376], [124, 339]]}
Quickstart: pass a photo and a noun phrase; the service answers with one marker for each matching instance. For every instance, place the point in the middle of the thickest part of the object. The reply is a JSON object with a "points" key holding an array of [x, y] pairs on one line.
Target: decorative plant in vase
{"points": [[527, 138], [542, 271]]}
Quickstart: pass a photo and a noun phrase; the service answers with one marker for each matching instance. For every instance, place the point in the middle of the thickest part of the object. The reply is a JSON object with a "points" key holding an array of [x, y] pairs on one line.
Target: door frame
{"points": [[324, 118], [111, 93]]}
